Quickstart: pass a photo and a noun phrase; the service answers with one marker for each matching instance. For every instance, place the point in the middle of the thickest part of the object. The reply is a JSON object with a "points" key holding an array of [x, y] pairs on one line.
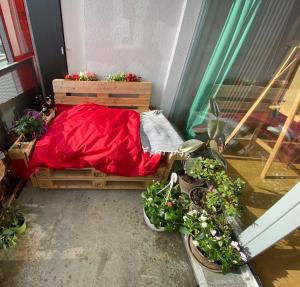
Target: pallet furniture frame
{"points": [[133, 95]]}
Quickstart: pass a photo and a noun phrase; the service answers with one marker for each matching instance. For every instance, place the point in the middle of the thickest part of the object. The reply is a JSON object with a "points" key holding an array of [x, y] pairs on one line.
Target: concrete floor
{"points": [[92, 238]]}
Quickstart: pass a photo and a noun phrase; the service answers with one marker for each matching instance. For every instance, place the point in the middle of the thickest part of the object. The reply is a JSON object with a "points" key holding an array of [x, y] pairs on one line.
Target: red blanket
{"points": [[90, 135]]}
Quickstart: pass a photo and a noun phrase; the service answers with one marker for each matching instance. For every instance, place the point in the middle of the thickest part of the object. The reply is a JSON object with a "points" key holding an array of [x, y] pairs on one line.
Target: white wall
{"points": [[136, 36]]}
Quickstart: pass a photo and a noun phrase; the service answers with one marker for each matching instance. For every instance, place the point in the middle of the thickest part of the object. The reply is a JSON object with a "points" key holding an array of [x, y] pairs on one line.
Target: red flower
{"points": [[169, 203], [68, 77], [130, 77], [75, 77]]}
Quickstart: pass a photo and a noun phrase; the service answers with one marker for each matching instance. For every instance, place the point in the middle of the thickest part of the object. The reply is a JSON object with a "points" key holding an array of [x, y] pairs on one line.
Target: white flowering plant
{"points": [[214, 240], [165, 207]]}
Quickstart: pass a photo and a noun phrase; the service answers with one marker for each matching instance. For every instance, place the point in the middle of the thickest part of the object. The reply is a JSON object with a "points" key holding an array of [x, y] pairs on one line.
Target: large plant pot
{"points": [[149, 224], [186, 186], [200, 258], [20, 229]]}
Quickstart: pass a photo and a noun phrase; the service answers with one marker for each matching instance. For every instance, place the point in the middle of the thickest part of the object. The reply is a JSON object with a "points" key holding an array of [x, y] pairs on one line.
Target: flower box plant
{"points": [[82, 76], [31, 125], [123, 77], [165, 206]]}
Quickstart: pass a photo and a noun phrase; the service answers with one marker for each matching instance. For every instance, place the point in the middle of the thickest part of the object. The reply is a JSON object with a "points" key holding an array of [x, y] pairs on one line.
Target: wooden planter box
{"points": [[131, 95]]}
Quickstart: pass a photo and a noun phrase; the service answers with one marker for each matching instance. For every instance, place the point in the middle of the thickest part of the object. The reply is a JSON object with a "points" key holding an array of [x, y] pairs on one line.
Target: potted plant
{"points": [[164, 206], [31, 125], [224, 195], [211, 241], [12, 223], [198, 174], [12, 218]]}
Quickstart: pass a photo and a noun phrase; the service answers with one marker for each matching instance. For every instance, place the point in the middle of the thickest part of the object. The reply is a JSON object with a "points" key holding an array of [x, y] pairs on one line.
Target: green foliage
{"points": [[212, 136], [225, 195], [8, 238], [10, 217], [31, 125], [119, 77], [215, 240], [165, 207], [202, 168]]}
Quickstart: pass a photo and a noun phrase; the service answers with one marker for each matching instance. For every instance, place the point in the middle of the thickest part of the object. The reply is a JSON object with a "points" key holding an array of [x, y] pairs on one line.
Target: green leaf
{"points": [[183, 230], [215, 128], [200, 236], [190, 146], [168, 216], [214, 108], [216, 155]]}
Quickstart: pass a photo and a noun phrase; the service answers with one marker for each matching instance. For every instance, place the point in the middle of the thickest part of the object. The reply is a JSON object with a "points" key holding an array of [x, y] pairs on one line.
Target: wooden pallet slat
{"points": [[105, 87], [131, 95]]}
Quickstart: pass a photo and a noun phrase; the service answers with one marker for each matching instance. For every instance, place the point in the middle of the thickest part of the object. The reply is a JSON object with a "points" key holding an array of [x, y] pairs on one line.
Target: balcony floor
{"points": [[92, 238]]}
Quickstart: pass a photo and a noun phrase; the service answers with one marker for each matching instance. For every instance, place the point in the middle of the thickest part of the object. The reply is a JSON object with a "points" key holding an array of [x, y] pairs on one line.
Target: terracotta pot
{"points": [[200, 257], [186, 186], [150, 225]]}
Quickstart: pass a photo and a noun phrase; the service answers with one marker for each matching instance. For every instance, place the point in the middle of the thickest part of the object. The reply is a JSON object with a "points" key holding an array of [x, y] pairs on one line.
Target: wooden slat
{"points": [[238, 107], [104, 87], [264, 145], [247, 92], [73, 100], [132, 95]]}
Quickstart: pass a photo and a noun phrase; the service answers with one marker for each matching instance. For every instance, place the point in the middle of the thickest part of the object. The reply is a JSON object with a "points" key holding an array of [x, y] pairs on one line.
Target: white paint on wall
{"points": [[74, 32], [131, 36]]}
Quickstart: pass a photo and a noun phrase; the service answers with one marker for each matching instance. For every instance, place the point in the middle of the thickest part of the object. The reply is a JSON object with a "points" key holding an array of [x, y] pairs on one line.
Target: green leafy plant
{"points": [[8, 238], [225, 195], [212, 135], [31, 125], [212, 239], [165, 207], [11, 218], [202, 168]]}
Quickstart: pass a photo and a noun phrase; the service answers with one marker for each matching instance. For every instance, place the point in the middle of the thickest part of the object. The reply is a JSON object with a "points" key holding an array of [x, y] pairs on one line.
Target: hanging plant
{"points": [[164, 205]]}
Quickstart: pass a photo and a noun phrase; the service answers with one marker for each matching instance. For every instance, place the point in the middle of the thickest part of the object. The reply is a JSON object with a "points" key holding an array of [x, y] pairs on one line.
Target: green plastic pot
{"points": [[20, 229]]}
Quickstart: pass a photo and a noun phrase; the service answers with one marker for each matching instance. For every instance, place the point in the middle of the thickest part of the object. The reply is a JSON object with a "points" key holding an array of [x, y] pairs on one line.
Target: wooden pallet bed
{"points": [[132, 95]]}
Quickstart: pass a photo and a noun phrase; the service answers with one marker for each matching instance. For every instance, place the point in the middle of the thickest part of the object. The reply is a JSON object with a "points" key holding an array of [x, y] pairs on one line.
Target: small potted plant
{"points": [[164, 206], [199, 173], [224, 196], [12, 223], [211, 241], [12, 217], [31, 125]]}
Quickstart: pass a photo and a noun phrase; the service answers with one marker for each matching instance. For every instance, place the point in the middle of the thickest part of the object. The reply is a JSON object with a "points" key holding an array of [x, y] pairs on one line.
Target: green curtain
{"points": [[234, 33]]}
